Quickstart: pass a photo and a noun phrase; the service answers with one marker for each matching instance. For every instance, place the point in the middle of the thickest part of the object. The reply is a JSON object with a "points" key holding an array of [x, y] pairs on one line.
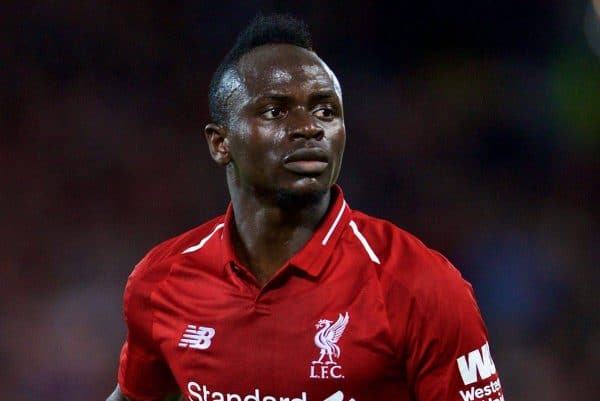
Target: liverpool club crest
{"points": [[326, 338]]}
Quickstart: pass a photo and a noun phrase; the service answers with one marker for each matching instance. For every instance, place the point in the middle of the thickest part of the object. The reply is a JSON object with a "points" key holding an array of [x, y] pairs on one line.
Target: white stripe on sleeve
{"points": [[364, 242], [204, 240]]}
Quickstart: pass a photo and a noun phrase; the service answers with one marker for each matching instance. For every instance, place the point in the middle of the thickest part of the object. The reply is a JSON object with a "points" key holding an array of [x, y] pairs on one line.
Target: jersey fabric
{"points": [[364, 311]]}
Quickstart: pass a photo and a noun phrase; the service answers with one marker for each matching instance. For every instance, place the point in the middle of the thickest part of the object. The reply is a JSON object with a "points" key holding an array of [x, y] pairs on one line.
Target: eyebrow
{"points": [[271, 96], [324, 94], [280, 97]]}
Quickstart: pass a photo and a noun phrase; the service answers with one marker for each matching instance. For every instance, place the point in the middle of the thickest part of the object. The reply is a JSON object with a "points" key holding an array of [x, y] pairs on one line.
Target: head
{"points": [[277, 114]]}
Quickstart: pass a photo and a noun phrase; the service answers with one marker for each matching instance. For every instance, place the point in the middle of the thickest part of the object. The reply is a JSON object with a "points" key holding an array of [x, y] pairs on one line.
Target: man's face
{"points": [[286, 131]]}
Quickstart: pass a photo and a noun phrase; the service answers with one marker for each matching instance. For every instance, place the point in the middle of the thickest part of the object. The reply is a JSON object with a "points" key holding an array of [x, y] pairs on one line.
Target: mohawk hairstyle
{"points": [[263, 30]]}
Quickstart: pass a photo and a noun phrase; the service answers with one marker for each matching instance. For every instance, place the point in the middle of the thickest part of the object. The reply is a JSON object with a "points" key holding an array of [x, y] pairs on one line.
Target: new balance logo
{"points": [[197, 337], [477, 361]]}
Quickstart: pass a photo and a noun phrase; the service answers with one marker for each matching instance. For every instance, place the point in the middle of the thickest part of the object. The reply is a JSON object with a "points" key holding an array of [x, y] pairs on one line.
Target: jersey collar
{"points": [[315, 253]]}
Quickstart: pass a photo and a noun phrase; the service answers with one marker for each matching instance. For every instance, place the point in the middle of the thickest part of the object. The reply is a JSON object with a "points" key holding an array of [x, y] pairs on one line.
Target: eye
{"points": [[273, 113], [325, 112]]}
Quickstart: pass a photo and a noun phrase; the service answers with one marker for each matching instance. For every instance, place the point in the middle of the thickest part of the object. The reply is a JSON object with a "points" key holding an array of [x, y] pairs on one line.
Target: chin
{"points": [[301, 194]]}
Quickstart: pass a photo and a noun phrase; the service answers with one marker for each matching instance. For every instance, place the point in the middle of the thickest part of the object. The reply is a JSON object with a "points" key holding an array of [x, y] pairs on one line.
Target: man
{"points": [[292, 295]]}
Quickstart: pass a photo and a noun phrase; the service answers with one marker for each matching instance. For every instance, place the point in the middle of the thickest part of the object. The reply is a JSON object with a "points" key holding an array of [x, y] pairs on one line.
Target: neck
{"points": [[268, 233]]}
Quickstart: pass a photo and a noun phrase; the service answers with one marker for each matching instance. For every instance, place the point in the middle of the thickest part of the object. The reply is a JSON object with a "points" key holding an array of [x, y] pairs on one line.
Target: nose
{"points": [[303, 125]]}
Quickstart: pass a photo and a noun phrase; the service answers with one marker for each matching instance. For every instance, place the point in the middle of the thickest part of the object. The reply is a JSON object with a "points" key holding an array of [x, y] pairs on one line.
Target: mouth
{"points": [[306, 161]]}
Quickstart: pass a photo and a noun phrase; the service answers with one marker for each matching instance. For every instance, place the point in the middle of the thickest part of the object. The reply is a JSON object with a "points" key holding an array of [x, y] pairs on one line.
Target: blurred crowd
{"points": [[473, 125]]}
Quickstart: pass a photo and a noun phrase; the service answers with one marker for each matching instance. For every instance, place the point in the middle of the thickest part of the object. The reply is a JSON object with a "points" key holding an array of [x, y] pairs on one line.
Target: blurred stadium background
{"points": [[473, 124]]}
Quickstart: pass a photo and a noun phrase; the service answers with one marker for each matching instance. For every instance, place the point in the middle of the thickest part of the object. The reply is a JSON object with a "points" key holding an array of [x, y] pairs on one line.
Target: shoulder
{"points": [[152, 266], [425, 296], [408, 265], [155, 266]]}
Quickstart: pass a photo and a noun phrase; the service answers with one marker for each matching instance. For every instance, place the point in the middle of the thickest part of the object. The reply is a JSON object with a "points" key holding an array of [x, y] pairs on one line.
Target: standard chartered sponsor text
{"points": [[489, 392], [199, 392]]}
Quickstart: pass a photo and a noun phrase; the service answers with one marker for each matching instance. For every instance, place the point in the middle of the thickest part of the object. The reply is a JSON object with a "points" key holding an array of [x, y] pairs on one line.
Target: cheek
{"points": [[338, 140], [240, 140], [254, 146]]}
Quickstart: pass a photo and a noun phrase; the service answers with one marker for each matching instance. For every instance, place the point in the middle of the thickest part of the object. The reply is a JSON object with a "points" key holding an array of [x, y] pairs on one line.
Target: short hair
{"points": [[263, 30]]}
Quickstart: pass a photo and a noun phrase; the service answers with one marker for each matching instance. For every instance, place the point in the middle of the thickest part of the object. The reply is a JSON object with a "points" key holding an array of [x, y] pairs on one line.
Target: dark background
{"points": [[473, 124]]}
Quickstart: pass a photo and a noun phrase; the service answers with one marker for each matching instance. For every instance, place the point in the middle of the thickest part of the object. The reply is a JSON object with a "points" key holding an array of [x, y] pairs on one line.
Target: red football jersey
{"points": [[363, 312]]}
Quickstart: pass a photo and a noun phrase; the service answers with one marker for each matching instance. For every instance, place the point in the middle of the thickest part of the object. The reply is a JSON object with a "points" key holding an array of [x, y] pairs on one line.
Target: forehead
{"points": [[284, 69]]}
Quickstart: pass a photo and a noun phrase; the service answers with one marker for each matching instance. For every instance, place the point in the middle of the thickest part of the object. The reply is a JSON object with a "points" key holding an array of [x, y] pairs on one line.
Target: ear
{"points": [[218, 145]]}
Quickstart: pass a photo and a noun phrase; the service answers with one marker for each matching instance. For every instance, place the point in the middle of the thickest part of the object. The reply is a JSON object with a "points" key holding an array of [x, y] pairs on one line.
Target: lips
{"points": [[306, 161]]}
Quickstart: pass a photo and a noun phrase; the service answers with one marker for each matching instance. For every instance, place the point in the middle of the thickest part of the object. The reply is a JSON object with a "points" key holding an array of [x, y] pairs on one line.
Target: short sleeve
{"points": [[143, 375], [448, 354]]}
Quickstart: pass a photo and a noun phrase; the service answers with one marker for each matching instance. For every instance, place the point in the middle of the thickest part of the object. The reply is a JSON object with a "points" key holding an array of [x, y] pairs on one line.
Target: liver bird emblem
{"points": [[327, 337]]}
